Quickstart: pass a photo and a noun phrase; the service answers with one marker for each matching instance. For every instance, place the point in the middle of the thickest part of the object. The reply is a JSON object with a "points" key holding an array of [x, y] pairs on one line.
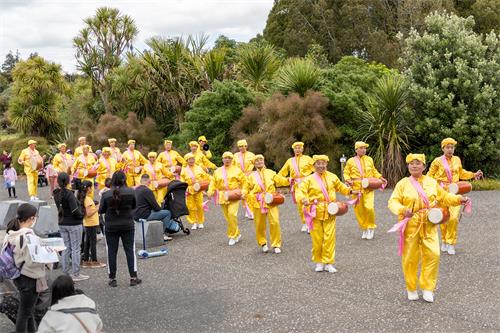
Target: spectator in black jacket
{"points": [[70, 226], [147, 206], [118, 206]]}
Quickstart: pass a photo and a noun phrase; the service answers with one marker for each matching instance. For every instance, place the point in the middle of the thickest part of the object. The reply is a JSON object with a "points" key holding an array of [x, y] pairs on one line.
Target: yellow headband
{"points": [[298, 144], [111, 140], [256, 157], [202, 138], [413, 157], [193, 144], [448, 141], [31, 142], [59, 146], [317, 158], [152, 154], [360, 144], [188, 156], [242, 143], [86, 146], [106, 150], [227, 154], [82, 138], [129, 142], [167, 141]]}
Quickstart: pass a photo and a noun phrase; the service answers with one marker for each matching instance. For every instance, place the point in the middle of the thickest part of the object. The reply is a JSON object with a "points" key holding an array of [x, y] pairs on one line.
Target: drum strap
{"points": [[447, 168]]}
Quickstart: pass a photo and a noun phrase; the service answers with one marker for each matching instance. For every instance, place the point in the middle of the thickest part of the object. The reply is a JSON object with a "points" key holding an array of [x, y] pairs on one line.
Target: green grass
{"points": [[488, 184]]}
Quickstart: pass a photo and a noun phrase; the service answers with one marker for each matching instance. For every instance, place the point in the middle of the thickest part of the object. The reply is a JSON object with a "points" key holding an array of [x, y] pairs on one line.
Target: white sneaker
{"points": [[304, 228], [249, 216], [79, 277], [451, 249], [32, 198], [232, 241], [363, 236], [194, 227], [265, 248], [237, 239], [412, 295], [200, 226], [444, 247], [167, 238], [36, 198], [428, 296], [277, 250], [370, 233], [319, 267], [330, 268]]}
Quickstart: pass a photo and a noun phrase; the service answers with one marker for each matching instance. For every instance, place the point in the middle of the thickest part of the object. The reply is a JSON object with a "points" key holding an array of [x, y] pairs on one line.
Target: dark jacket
{"points": [[146, 202], [122, 218], [72, 209]]}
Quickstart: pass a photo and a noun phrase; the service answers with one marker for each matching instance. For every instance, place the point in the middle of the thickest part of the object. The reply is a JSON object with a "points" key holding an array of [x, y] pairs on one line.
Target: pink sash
{"points": [[358, 164], [260, 196], [106, 164], [169, 158], [310, 214], [447, 169], [242, 162], [191, 174], [295, 166], [224, 176], [152, 169]]}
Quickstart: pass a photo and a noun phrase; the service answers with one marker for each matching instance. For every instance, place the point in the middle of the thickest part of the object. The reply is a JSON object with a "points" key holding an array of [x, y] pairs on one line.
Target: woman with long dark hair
{"points": [[71, 215], [118, 206]]}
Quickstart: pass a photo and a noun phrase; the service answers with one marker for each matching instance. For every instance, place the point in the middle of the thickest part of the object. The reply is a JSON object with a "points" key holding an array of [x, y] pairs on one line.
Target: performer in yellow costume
{"points": [[226, 178], [447, 169], [296, 168], [115, 151], [191, 175], [106, 167], [359, 167], [29, 158], [170, 158], [133, 162], [244, 160], [156, 171], [202, 140], [410, 201], [316, 192], [260, 182], [200, 158], [82, 141], [83, 164], [62, 161]]}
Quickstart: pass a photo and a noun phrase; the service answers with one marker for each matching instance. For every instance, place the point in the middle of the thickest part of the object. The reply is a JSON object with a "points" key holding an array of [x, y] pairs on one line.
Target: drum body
{"points": [[371, 183], [232, 195], [438, 215], [274, 199], [337, 208], [137, 169], [162, 183], [90, 173], [201, 186], [36, 163], [460, 187], [175, 169]]}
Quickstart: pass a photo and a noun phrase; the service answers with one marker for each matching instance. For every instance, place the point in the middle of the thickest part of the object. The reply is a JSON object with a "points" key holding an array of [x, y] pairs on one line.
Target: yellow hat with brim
{"points": [[86, 146], [227, 154], [256, 157], [106, 150], [167, 142], [298, 144], [59, 146], [448, 141], [194, 144], [242, 143], [111, 140], [31, 142], [317, 158], [152, 154], [129, 142], [202, 138], [413, 157], [360, 144], [82, 138], [188, 156]]}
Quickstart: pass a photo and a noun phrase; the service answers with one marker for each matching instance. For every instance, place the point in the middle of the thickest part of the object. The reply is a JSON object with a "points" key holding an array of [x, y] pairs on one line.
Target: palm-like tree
{"points": [[385, 120], [258, 62], [298, 75]]}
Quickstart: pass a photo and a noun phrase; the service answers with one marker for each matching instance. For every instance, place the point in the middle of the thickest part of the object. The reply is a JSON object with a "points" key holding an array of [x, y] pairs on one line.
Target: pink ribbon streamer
{"points": [[205, 205], [310, 214]]}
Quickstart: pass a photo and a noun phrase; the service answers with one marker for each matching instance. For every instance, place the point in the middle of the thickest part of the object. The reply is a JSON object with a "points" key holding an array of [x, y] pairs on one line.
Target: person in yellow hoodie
{"points": [[29, 158], [170, 158], [191, 175], [115, 151], [244, 160], [106, 167], [226, 178], [62, 161], [260, 182], [316, 192], [155, 171], [83, 164], [200, 158], [82, 141], [133, 161], [447, 169], [202, 140], [297, 168], [419, 243], [359, 167]]}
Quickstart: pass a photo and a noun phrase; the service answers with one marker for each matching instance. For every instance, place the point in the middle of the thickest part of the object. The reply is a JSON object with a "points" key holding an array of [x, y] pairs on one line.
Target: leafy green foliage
{"points": [[299, 76], [257, 63]]}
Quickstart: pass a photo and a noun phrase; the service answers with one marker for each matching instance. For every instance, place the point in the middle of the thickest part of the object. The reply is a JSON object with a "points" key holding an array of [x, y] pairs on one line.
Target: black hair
{"points": [[62, 287], [63, 182], [25, 211], [145, 177], [7, 165], [118, 180], [107, 182], [83, 190]]}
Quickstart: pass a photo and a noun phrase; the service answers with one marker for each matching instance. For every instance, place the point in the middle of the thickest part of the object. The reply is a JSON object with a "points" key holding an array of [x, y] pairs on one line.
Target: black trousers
{"points": [[27, 299], [89, 250], [12, 191], [112, 241]]}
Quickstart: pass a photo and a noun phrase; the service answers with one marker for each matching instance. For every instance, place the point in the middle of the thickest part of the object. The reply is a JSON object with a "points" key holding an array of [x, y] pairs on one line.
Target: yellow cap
{"points": [[242, 143], [202, 138], [193, 143], [227, 154], [81, 138], [31, 142], [59, 146], [298, 144], [360, 144], [413, 157], [106, 150], [86, 146], [111, 140], [256, 157], [129, 142], [167, 141], [448, 141], [188, 156], [317, 158], [152, 154]]}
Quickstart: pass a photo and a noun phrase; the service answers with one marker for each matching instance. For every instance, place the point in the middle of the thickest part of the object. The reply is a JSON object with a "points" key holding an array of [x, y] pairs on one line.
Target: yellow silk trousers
{"points": [[160, 195], [423, 248], [133, 179], [32, 179], [365, 211], [230, 212], [323, 240], [301, 212], [274, 226], [449, 230], [194, 204], [244, 205]]}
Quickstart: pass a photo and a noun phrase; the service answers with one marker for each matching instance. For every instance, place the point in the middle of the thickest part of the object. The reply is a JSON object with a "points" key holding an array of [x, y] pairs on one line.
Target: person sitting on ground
{"points": [[70, 311], [147, 206]]}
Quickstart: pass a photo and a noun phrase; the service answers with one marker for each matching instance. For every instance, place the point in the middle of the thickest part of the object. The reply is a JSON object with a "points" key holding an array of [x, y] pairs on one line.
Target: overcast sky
{"points": [[48, 26]]}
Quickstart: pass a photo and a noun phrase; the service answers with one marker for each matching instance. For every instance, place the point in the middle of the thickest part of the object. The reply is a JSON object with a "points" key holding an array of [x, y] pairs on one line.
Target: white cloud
{"points": [[48, 26]]}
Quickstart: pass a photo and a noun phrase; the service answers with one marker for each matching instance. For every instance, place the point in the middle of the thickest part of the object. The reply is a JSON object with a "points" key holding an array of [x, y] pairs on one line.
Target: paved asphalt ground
{"points": [[203, 285]]}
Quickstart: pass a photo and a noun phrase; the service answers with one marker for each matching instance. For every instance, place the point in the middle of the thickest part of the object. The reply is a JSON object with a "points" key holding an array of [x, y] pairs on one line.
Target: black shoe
{"points": [[135, 281], [112, 283]]}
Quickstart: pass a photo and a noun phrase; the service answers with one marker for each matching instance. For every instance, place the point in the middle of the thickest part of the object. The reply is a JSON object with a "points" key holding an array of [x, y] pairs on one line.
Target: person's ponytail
{"points": [[13, 225], [62, 182], [25, 211]]}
